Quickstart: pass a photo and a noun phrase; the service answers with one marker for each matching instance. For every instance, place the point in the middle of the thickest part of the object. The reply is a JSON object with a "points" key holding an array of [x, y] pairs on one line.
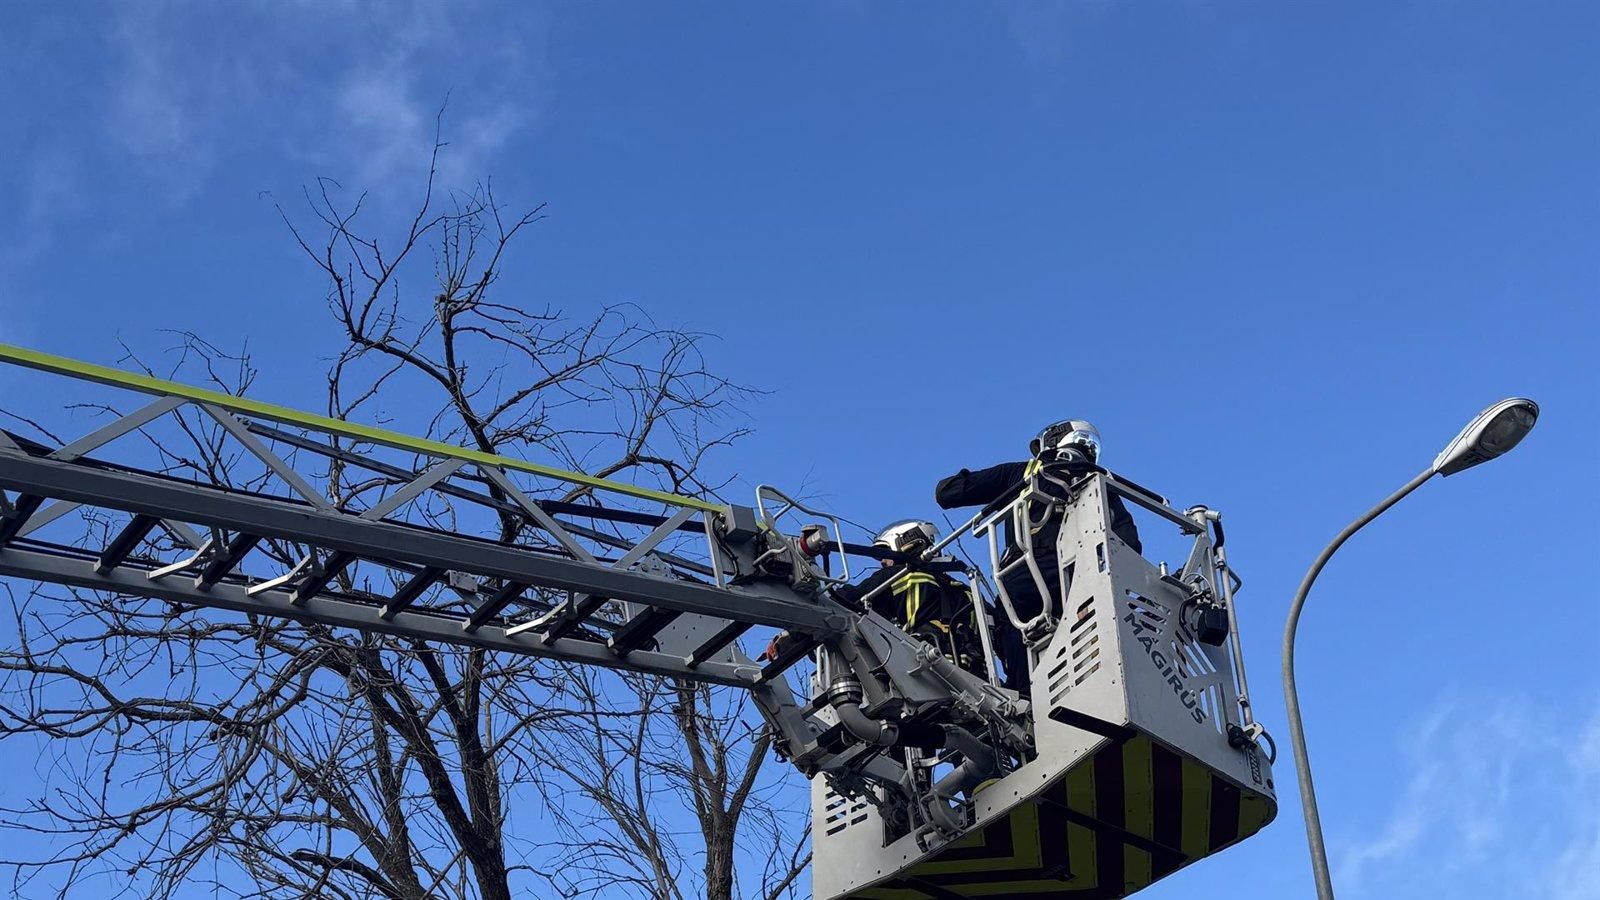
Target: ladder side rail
{"points": [[271, 517], [251, 407], [221, 407], [218, 557], [231, 594], [31, 518], [222, 555]]}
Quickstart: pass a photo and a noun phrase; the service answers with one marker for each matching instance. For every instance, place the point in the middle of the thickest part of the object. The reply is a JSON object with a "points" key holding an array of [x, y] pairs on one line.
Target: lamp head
{"points": [[1491, 433]]}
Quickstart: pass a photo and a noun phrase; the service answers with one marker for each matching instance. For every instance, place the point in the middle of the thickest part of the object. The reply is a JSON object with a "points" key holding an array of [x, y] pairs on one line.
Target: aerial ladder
{"points": [[1134, 753]]}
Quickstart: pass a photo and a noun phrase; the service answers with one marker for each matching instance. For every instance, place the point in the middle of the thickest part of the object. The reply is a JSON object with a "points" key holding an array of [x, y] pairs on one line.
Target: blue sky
{"points": [[1279, 253]]}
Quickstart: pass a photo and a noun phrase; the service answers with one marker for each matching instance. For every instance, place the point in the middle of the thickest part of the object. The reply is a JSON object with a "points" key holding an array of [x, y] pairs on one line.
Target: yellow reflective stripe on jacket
{"points": [[1033, 468], [910, 584]]}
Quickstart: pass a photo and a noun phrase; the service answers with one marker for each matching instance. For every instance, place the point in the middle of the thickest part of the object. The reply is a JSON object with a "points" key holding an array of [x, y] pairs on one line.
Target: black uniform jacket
{"points": [[944, 600], [985, 486]]}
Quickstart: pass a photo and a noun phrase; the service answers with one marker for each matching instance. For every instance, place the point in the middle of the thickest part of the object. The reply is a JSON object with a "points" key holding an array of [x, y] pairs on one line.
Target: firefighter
{"points": [[926, 604], [1069, 447]]}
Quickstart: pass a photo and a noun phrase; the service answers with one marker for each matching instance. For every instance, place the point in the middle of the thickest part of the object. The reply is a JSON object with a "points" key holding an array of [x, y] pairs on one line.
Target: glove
{"points": [[775, 646]]}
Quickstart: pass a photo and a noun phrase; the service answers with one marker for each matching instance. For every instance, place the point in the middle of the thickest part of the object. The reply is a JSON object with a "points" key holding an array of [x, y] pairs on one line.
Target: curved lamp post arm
{"points": [[1297, 741], [1489, 435]]}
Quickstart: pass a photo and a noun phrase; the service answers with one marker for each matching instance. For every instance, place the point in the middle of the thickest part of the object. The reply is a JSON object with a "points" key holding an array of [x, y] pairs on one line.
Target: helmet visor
{"points": [[1086, 440], [1070, 434], [906, 536]]}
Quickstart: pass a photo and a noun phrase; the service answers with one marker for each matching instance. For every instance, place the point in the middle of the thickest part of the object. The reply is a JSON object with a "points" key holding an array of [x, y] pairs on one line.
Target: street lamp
{"points": [[1490, 434]]}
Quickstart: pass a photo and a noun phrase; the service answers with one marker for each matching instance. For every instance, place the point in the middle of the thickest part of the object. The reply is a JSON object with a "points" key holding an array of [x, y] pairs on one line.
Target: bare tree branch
{"points": [[281, 759]]}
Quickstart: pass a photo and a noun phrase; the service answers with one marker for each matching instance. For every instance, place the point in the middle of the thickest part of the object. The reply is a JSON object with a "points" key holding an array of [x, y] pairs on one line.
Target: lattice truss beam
{"points": [[315, 519]]}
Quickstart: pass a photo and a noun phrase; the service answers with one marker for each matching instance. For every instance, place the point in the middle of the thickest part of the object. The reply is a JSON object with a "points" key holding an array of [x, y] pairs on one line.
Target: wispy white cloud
{"points": [[47, 191], [1502, 799], [152, 103], [50, 189], [1575, 873], [350, 89]]}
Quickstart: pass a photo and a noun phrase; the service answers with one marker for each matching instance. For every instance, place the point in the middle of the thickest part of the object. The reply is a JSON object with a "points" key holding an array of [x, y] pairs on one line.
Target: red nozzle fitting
{"points": [[813, 540]]}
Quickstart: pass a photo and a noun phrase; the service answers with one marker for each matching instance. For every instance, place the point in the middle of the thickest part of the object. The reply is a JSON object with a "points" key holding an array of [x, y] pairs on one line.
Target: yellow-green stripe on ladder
{"points": [[61, 365]]}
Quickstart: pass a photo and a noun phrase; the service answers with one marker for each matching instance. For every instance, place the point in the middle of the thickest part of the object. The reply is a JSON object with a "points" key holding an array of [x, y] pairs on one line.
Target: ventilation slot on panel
{"points": [[1077, 658], [839, 813], [1152, 614]]}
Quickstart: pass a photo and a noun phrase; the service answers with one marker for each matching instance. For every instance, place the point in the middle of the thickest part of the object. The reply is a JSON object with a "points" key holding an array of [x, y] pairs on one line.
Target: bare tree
{"points": [[692, 751], [281, 759]]}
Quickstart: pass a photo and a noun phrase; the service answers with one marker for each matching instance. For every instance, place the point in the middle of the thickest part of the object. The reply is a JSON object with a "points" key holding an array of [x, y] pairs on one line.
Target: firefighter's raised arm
{"points": [[980, 488]]}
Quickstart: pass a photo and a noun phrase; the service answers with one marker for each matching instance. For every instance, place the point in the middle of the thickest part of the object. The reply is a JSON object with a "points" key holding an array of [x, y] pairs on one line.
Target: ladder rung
{"points": [[570, 617], [491, 607], [124, 543], [410, 591], [727, 635], [318, 579], [226, 561], [798, 646], [641, 629], [24, 506]]}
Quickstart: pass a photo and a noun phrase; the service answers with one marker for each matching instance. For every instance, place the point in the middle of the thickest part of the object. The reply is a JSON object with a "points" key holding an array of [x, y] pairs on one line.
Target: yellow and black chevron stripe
{"points": [[1131, 813]]}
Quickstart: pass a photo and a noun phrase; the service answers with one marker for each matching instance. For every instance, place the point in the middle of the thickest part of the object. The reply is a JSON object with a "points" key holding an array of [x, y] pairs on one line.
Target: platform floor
{"points": [[1129, 814]]}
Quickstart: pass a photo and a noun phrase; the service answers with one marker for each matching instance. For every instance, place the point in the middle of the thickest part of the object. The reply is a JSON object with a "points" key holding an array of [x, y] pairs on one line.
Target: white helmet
{"points": [[1067, 434], [907, 536]]}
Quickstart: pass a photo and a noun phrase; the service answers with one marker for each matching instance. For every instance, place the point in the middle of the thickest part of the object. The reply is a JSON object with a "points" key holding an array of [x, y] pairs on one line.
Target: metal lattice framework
{"points": [[604, 582]]}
